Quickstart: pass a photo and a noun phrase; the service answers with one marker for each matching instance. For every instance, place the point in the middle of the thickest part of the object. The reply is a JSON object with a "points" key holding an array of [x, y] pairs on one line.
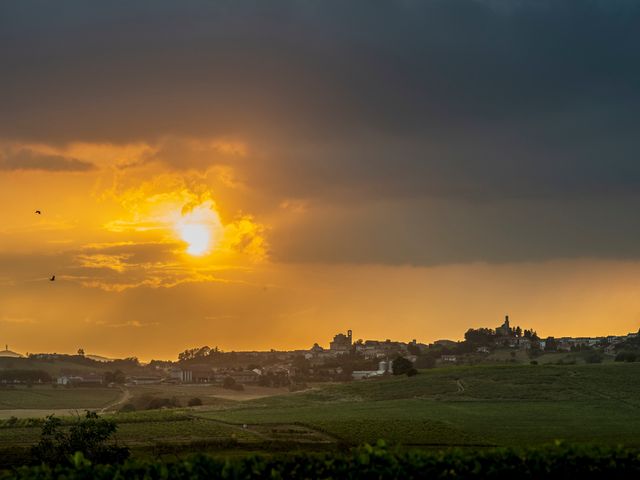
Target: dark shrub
{"points": [[194, 402], [594, 357], [90, 435], [401, 366], [156, 403], [626, 357]]}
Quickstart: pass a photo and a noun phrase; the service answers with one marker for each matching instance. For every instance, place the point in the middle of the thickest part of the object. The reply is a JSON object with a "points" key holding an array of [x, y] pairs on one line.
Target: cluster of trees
{"points": [[629, 350], [117, 376], [231, 384], [150, 402], [270, 379], [627, 356], [24, 376], [488, 336], [198, 353]]}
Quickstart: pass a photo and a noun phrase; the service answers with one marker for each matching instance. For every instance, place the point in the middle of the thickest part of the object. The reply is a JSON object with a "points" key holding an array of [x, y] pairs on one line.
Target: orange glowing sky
{"points": [[256, 177]]}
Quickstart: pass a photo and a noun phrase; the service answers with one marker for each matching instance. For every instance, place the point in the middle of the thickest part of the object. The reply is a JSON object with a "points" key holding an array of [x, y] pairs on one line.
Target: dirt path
{"points": [[124, 398]]}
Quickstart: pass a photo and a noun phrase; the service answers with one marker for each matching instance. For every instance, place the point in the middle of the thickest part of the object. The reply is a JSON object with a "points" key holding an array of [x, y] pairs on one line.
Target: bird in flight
{"points": [[38, 212], [53, 278]]}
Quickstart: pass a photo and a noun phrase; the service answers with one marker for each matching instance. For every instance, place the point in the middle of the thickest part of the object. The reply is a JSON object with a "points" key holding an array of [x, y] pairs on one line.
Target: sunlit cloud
{"points": [[113, 262], [180, 209], [17, 320], [125, 324]]}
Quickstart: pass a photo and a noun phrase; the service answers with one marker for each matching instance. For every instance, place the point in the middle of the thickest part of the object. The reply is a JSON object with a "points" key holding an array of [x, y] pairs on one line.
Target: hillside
{"points": [[472, 407], [467, 405]]}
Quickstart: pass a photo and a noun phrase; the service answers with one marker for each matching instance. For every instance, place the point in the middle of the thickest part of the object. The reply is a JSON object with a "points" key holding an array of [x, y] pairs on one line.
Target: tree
{"points": [[229, 382], [480, 336], [425, 361], [413, 349], [81, 352], [115, 377], [91, 435], [593, 357], [401, 366], [518, 331], [626, 357], [550, 345]]}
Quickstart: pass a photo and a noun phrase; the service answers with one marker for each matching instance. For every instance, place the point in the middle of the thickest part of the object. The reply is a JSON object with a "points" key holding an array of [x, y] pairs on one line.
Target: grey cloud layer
{"points": [[397, 102], [23, 159]]}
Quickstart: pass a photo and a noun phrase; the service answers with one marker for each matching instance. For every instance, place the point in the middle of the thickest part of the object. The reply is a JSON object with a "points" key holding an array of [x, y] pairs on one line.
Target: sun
{"points": [[198, 238], [200, 228]]}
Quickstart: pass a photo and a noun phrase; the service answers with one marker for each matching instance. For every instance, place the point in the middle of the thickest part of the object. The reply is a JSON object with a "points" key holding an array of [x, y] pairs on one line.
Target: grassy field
{"points": [[208, 394], [455, 406], [46, 397], [519, 405]]}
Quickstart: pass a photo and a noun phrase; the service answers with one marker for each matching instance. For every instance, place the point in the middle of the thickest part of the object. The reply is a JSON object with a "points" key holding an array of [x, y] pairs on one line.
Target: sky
{"points": [[257, 175]]}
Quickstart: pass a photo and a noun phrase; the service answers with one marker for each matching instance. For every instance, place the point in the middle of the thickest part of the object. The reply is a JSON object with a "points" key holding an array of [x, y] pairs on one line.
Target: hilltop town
{"points": [[345, 359]]}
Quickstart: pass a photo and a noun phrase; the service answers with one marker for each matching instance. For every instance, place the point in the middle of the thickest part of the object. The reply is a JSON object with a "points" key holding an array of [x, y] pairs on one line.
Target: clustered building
{"points": [[282, 367]]}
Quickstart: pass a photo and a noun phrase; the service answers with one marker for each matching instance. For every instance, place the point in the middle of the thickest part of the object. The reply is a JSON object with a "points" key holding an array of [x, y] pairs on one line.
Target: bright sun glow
{"points": [[198, 237], [200, 228]]}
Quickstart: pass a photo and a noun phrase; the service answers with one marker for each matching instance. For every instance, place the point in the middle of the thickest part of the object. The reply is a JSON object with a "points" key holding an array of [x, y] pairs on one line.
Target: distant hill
{"points": [[99, 358], [10, 354], [457, 406]]}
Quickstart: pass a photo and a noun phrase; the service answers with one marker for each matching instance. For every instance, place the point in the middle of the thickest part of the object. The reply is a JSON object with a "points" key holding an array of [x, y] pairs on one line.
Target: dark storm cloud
{"points": [[448, 231], [24, 159], [352, 101]]}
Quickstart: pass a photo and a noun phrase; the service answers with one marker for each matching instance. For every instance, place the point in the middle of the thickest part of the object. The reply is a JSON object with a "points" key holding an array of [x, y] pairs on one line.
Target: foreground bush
{"points": [[557, 462], [91, 435]]}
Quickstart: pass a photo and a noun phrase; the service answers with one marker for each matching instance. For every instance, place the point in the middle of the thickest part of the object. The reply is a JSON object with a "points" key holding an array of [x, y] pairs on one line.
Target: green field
{"points": [[46, 397], [456, 406], [519, 405]]}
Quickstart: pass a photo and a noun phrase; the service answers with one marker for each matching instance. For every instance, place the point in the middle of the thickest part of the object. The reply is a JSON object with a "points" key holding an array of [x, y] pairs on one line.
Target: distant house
{"points": [[341, 343], [89, 380], [383, 367], [314, 352], [483, 350], [244, 377], [504, 330], [446, 343], [449, 358], [180, 375], [524, 343], [202, 374], [362, 374], [193, 374], [146, 380]]}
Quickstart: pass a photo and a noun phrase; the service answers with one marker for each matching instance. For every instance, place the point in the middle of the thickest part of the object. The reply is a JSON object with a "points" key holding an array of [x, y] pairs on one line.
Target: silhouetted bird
{"points": [[53, 278], [38, 212]]}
